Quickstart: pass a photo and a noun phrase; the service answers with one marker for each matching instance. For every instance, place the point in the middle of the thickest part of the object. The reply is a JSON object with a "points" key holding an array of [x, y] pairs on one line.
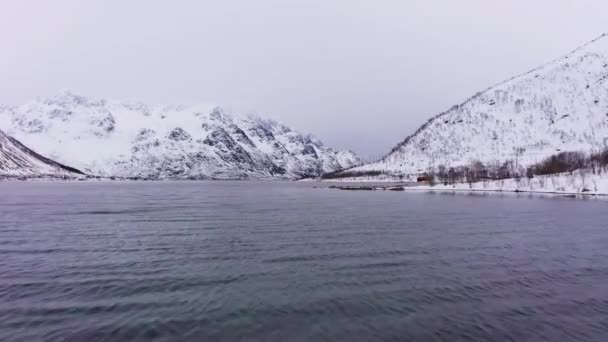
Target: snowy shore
{"points": [[576, 183], [581, 182]]}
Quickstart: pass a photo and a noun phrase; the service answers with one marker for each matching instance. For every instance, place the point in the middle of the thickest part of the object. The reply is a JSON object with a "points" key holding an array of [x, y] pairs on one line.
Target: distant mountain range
{"points": [[561, 106], [133, 140]]}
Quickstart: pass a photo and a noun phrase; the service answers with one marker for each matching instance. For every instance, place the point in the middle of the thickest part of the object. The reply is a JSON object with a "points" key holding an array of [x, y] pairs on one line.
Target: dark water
{"points": [[234, 261]]}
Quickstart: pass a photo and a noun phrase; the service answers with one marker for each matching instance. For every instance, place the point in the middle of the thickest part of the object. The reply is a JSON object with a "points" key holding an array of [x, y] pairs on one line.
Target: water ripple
{"points": [[233, 261]]}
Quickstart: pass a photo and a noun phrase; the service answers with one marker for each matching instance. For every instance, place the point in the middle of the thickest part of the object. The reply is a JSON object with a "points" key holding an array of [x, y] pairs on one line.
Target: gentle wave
{"points": [[281, 261]]}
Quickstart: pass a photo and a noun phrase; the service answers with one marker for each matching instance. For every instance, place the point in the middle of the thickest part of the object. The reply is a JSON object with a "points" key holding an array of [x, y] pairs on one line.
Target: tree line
{"points": [[563, 162], [476, 171]]}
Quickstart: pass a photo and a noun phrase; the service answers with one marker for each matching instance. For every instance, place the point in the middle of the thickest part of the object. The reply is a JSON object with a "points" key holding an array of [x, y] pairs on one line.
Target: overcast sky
{"points": [[357, 74]]}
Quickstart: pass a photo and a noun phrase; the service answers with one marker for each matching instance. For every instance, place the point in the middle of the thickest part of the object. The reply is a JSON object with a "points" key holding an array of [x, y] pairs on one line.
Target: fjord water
{"points": [[246, 261]]}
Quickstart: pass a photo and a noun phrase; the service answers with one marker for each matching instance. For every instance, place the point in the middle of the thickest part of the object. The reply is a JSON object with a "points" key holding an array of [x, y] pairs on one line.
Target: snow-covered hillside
{"points": [[131, 139], [561, 106], [16, 160]]}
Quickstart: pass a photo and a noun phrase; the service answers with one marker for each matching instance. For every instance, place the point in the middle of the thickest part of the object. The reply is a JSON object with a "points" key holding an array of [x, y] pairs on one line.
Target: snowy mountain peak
{"points": [[560, 106], [66, 98], [132, 139]]}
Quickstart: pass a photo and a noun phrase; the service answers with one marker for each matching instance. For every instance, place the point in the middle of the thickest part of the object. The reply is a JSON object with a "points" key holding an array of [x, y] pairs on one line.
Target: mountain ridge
{"points": [[130, 139], [17, 160], [542, 91], [479, 93]]}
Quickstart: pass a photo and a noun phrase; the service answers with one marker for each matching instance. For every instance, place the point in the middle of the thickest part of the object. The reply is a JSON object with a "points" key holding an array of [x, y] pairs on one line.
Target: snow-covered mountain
{"points": [[561, 106], [16, 160], [131, 139]]}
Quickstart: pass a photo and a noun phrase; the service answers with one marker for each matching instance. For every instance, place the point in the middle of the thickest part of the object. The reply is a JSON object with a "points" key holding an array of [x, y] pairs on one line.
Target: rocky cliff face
{"points": [[132, 139], [561, 106]]}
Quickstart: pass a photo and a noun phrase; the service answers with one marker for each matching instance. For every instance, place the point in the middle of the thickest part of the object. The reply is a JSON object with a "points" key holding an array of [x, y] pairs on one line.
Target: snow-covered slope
{"points": [[561, 106], [16, 160], [131, 139]]}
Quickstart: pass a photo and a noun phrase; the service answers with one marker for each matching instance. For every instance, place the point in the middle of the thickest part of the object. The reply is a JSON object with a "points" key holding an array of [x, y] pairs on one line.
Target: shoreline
{"points": [[432, 189], [136, 180], [582, 182], [555, 193]]}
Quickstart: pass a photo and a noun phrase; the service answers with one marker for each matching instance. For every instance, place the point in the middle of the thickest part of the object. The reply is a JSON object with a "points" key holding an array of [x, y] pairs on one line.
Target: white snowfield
{"points": [[16, 160], [131, 139], [561, 106]]}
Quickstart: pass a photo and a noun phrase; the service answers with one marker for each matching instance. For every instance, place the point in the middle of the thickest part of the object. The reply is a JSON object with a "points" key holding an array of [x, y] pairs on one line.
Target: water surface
{"points": [[245, 261]]}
